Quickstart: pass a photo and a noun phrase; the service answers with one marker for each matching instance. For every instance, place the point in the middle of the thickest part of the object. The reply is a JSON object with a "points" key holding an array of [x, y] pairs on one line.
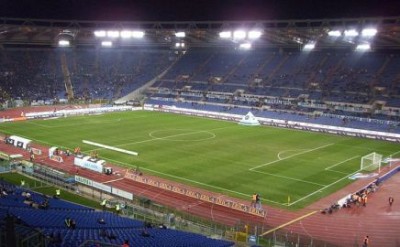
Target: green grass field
{"points": [[215, 155]]}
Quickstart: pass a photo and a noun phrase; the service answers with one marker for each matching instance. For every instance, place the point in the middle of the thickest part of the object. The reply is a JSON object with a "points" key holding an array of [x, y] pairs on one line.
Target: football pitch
{"points": [[219, 156]]}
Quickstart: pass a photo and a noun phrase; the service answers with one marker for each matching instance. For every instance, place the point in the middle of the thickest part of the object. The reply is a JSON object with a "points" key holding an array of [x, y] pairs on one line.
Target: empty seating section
{"points": [[115, 230], [319, 87]]}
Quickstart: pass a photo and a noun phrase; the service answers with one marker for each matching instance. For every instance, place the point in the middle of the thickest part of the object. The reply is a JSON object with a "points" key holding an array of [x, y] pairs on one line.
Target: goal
{"points": [[371, 162]]}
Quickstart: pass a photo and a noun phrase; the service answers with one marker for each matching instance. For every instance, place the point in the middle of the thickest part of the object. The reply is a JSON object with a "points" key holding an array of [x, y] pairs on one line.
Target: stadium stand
{"points": [[327, 87], [50, 221], [36, 74]]}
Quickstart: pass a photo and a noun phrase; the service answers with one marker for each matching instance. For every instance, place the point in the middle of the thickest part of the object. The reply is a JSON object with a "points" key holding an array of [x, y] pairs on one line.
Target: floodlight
{"points": [[63, 42], [225, 34], [335, 33], [113, 34], [363, 47], [179, 45], [137, 34], [245, 46], [309, 46], [180, 34], [239, 34], [100, 33], [254, 34], [106, 43], [369, 32], [350, 33], [126, 34]]}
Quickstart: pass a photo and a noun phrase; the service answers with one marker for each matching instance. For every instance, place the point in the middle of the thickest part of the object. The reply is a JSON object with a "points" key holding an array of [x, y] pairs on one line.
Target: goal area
{"points": [[371, 162]]}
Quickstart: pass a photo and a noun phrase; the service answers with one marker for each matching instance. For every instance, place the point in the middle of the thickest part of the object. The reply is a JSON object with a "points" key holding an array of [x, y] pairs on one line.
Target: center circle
{"points": [[180, 135]]}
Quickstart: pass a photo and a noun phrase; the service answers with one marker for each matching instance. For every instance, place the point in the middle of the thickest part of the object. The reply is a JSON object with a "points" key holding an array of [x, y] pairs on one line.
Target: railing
{"points": [[139, 208]]}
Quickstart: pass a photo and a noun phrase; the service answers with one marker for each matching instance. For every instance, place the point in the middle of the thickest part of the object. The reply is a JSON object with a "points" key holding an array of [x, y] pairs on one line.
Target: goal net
{"points": [[371, 162]]}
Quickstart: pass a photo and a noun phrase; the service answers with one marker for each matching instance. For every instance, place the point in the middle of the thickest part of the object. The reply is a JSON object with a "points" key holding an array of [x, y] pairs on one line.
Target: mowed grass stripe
{"points": [[220, 164]]}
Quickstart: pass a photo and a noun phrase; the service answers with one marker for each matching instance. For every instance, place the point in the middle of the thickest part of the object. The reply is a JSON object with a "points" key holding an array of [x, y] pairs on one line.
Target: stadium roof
{"points": [[284, 33]]}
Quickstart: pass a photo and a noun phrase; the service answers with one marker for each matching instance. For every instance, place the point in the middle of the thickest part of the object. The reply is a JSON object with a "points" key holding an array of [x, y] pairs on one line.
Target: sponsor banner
{"points": [[83, 180], [4, 156], [197, 195], [122, 193], [27, 164], [36, 151], [101, 186], [281, 123], [55, 172], [57, 158], [86, 162]]}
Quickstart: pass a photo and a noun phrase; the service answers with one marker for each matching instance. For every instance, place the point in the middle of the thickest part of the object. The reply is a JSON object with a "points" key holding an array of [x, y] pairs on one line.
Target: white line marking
{"points": [[344, 161], [196, 182], [156, 139], [290, 156], [110, 148], [284, 151], [110, 181], [289, 178], [320, 190]]}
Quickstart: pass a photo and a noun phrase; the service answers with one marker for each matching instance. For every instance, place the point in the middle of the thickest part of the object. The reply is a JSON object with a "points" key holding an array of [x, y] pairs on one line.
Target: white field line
{"points": [[339, 163], [326, 186], [163, 138], [394, 153], [289, 178], [291, 156], [110, 148], [320, 190], [284, 151], [196, 182], [110, 181]]}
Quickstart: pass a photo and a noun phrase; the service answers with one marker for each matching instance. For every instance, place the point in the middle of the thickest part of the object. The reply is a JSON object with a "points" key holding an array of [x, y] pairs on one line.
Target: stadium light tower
{"points": [[334, 33], [137, 34], [64, 43], [245, 46], [180, 34], [113, 34], [368, 32], [225, 34], [309, 46], [363, 47], [180, 45], [254, 34], [125, 34], [239, 35], [350, 33], [106, 44], [100, 33]]}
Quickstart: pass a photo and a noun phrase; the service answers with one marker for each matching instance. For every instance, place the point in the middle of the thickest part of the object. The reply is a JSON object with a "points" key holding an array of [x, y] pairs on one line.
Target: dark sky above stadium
{"points": [[196, 10]]}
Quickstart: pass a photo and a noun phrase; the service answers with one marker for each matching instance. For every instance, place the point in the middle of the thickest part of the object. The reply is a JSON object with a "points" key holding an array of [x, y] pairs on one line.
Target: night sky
{"points": [[197, 10]]}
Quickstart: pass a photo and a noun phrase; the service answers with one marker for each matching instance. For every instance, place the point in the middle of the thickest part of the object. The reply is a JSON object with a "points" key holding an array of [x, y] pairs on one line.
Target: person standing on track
{"points": [[391, 200], [366, 241]]}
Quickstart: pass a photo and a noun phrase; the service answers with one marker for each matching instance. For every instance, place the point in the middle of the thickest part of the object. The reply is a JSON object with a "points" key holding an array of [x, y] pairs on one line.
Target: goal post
{"points": [[371, 162]]}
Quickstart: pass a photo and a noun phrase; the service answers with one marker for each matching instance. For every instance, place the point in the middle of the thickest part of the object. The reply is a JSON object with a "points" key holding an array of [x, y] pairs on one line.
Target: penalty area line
{"points": [[320, 190], [290, 156], [344, 161]]}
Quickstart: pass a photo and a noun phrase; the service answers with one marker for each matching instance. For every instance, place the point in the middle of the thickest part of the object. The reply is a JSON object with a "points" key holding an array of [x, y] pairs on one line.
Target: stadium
{"points": [[208, 133]]}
